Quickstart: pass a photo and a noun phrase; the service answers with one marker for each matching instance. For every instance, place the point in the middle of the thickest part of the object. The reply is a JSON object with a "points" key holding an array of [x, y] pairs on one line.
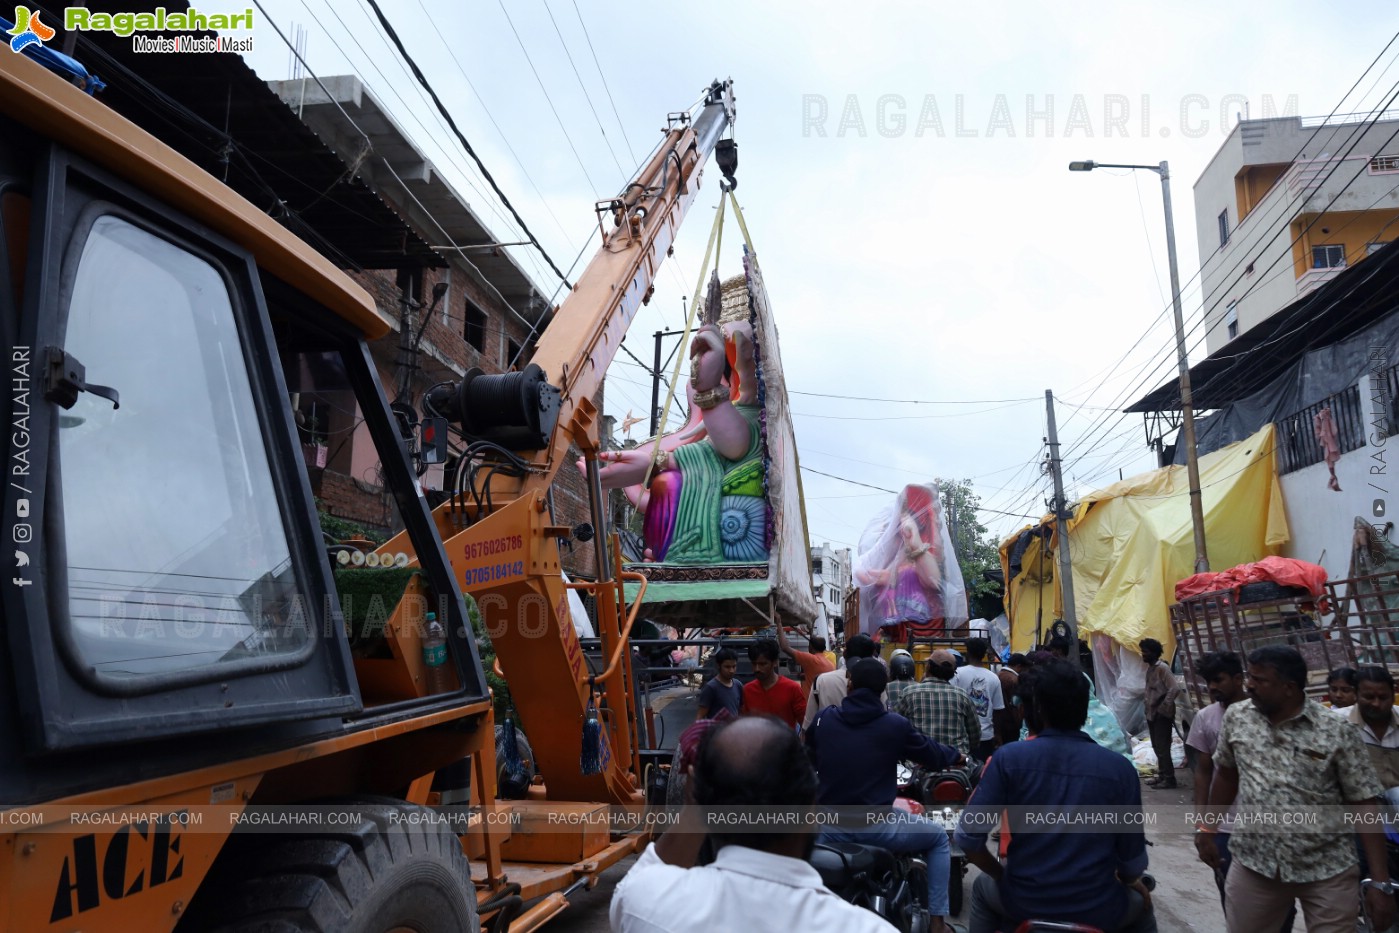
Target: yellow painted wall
{"points": [[1351, 229], [1253, 182]]}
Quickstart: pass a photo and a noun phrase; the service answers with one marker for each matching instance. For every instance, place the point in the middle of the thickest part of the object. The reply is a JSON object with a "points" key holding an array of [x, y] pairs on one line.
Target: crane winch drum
{"points": [[516, 410]]}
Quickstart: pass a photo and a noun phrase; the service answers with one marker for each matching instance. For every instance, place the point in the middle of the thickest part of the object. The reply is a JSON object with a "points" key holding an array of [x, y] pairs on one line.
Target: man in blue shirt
{"points": [[1054, 786], [857, 748]]}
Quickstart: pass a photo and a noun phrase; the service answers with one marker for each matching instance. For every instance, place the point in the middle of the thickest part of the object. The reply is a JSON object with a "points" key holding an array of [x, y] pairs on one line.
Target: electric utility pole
{"points": [[656, 380], [1061, 531]]}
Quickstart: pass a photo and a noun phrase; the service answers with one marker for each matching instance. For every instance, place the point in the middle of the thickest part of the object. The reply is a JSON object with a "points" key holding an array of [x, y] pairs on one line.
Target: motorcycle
{"points": [[942, 795], [1064, 926], [893, 886]]}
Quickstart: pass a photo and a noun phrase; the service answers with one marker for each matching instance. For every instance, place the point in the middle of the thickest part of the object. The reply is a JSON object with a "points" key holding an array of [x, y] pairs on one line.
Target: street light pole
{"points": [[1192, 462]]}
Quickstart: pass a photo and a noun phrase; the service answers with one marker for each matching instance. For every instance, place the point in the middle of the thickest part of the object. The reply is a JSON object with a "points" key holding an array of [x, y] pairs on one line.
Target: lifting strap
{"points": [[715, 237], [738, 216]]}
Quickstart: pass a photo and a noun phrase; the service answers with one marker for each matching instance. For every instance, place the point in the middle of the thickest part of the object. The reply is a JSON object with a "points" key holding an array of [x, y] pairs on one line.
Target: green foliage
{"points": [[504, 707], [342, 529], [369, 595], [976, 549]]}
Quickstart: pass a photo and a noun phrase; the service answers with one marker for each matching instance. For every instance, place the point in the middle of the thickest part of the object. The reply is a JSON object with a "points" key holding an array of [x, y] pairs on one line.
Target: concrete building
{"points": [[1284, 206], [1325, 372], [830, 582], [369, 201]]}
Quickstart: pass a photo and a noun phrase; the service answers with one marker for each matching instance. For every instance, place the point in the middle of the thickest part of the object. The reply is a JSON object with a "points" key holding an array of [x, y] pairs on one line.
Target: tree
{"points": [[976, 550]]}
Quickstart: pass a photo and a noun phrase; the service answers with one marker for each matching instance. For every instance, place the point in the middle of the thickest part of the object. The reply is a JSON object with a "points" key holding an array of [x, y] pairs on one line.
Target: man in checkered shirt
{"points": [[941, 711]]}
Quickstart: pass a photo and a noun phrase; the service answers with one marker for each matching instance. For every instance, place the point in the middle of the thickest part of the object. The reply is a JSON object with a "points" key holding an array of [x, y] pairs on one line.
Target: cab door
{"points": [[174, 578]]}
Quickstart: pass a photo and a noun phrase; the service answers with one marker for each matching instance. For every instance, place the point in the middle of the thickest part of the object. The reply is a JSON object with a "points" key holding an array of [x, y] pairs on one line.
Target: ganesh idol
{"points": [[701, 488], [909, 579]]}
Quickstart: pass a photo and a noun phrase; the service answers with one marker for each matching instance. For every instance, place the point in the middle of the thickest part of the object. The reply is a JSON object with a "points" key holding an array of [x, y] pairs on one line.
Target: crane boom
{"points": [[506, 554], [575, 350], [581, 342]]}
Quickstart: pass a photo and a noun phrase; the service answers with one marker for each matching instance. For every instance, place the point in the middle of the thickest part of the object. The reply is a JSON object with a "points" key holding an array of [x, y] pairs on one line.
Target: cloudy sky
{"points": [[933, 265]]}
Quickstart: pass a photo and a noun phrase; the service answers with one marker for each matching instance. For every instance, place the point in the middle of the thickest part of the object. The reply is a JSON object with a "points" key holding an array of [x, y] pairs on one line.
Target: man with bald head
{"points": [[941, 711], [755, 762]]}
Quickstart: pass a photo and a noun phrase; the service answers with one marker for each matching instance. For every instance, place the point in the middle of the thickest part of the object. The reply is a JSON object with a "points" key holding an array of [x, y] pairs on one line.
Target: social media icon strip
{"points": [[22, 533]]}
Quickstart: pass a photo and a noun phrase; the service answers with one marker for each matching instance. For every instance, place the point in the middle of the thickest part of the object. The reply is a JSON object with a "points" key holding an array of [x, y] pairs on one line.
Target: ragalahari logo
{"points": [[28, 30]]}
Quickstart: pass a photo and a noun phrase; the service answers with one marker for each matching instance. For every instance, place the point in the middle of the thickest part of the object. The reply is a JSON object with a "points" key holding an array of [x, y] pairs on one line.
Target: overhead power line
{"points": [[956, 414], [452, 52], [1003, 402], [916, 401], [1227, 282], [591, 184], [461, 138], [1224, 287], [894, 492], [390, 87], [581, 86], [621, 124]]}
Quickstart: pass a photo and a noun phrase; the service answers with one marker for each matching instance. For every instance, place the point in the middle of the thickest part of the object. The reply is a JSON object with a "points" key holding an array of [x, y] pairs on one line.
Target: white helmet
{"points": [[901, 665]]}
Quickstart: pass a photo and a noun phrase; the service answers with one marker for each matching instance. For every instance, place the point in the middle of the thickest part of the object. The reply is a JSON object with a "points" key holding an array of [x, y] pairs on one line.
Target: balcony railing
{"points": [[1339, 119], [1313, 279], [1298, 446], [1306, 175]]}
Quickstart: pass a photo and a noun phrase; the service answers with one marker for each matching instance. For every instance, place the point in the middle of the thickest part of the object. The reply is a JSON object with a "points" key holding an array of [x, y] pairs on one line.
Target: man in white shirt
{"points": [[1374, 710], [1375, 715], [751, 762], [984, 688]]}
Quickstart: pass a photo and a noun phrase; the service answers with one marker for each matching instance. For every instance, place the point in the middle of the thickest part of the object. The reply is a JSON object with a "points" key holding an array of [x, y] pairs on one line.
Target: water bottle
{"points": [[439, 678]]}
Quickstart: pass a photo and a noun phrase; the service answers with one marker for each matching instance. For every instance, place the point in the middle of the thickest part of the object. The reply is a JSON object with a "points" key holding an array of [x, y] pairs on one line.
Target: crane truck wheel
{"points": [[399, 869]]}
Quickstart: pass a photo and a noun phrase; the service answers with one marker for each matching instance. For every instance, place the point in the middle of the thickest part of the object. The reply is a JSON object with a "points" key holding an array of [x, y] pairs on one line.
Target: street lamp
{"points": [[1192, 463]]}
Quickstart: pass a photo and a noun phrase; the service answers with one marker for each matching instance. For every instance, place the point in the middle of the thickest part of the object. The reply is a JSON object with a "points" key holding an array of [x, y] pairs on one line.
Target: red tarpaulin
{"points": [[1284, 571]]}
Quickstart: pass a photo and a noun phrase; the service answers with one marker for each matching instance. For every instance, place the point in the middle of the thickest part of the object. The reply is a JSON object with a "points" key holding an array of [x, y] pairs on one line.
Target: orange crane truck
{"points": [[207, 723]]}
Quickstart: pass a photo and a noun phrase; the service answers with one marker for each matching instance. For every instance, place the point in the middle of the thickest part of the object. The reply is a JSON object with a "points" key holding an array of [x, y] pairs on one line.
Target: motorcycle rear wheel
{"points": [[955, 887]]}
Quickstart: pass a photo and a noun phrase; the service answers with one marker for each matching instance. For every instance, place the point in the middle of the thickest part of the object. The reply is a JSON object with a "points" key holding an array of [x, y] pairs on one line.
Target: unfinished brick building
{"points": [[337, 170]]}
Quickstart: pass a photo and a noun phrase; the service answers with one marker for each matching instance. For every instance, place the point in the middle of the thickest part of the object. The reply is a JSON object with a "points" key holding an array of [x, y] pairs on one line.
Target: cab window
{"points": [[175, 548]]}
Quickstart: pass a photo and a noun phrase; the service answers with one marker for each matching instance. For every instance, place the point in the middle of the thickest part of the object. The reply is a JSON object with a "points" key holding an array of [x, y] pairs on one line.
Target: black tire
{"points": [[398, 869], [954, 889], [1267, 590], [917, 920]]}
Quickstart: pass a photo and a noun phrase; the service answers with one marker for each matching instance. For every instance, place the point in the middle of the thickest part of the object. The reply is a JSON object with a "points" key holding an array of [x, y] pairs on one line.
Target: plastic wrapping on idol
{"points": [[906, 569]]}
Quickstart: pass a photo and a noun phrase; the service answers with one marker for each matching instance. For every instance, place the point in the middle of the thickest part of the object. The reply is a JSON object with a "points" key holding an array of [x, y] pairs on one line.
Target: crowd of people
{"points": [[1260, 746]]}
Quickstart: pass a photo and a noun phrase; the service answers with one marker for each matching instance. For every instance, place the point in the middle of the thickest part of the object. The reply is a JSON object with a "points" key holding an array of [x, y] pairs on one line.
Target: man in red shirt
{"points": [[769, 692], [813, 663]]}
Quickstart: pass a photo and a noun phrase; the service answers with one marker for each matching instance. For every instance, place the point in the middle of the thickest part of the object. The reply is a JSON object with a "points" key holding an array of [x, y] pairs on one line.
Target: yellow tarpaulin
{"points": [[1131, 542]]}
